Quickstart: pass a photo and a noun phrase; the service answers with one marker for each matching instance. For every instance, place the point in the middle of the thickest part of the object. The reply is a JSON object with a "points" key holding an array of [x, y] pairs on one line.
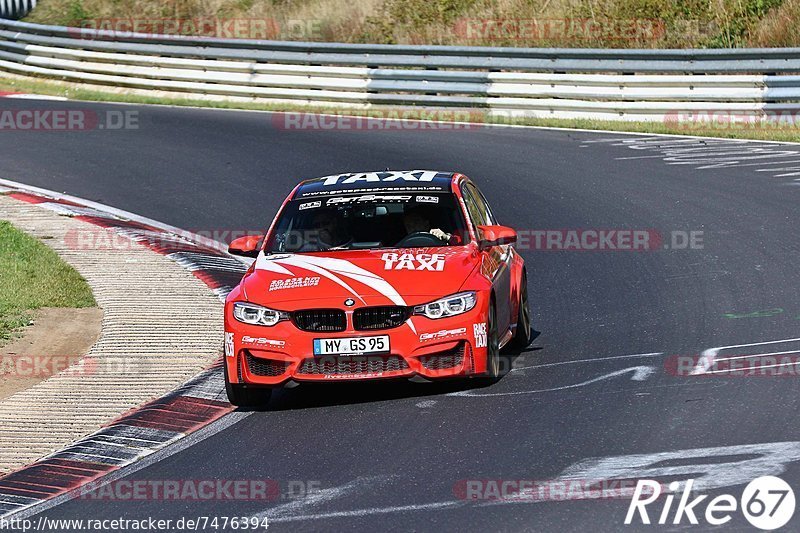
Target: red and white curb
{"points": [[134, 436], [154, 425]]}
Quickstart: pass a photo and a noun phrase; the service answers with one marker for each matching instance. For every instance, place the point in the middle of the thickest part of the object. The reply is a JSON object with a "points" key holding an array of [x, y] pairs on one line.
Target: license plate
{"points": [[352, 345]]}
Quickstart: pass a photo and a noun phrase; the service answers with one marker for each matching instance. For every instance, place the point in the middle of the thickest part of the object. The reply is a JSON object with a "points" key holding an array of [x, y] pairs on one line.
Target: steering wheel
{"points": [[419, 239]]}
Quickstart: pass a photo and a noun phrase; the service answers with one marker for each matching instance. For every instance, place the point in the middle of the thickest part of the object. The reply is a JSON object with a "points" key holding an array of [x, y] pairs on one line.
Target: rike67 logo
{"points": [[766, 502]]}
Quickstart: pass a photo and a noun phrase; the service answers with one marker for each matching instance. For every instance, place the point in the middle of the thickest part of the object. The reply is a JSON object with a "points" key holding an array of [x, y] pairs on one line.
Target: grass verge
{"points": [[777, 131], [33, 276], [545, 23]]}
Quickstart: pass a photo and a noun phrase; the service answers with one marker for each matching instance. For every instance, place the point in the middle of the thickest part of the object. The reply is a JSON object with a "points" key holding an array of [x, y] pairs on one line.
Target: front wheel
{"points": [[492, 346], [245, 396], [522, 335]]}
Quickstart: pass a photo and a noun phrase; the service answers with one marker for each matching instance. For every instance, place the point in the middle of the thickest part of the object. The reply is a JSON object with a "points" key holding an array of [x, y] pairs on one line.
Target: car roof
{"points": [[430, 181]]}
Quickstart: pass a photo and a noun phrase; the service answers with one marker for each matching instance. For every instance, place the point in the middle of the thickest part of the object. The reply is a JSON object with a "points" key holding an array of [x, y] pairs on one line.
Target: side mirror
{"points": [[495, 236], [245, 246]]}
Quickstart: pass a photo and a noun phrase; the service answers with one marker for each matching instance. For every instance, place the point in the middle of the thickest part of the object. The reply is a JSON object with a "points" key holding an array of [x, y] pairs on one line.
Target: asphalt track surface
{"points": [[391, 456]]}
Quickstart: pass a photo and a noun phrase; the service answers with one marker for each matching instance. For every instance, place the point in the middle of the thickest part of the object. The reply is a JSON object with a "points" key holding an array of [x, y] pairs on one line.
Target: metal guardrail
{"points": [[559, 83]]}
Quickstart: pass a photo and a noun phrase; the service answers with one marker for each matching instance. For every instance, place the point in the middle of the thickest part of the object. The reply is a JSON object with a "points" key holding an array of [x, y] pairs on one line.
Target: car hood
{"points": [[369, 277]]}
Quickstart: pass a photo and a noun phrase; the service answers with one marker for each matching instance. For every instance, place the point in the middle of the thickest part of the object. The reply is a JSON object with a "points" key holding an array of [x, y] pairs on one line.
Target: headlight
{"points": [[257, 315], [454, 304]]}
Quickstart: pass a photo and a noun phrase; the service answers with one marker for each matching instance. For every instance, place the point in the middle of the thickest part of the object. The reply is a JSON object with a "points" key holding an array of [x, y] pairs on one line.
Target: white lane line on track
{"points": [[180, 445], [754, 368], [595, 360], [766, 354], [762, 164], [731, 160], [712, 154], [652, 138], [709, 356], [640, 373], [638, 157], [318, 497], [434, 506], [752, 356]]}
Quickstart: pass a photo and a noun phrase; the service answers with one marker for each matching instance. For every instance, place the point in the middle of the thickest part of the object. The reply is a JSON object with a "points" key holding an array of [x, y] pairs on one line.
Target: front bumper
{"points": [[433, 349]]}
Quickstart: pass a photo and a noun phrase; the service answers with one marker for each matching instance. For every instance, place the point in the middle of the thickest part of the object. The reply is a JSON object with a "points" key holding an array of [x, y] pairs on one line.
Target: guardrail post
{"points": [[16, 9]]}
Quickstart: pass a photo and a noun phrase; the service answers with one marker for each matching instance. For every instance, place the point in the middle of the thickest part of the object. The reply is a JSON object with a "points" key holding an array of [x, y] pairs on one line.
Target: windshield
{"points": [[358, 222]]}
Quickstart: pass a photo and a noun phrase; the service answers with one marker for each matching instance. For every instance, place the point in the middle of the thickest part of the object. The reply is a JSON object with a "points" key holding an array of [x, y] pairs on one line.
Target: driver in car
{"points": [[329, 231], [415, 221]]}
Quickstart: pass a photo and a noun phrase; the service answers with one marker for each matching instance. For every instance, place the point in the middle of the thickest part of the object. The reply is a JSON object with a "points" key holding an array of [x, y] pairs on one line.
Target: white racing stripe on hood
{"points": [[329, 267], [298, 261], [332, 268], [270, 265], [354, 272]]}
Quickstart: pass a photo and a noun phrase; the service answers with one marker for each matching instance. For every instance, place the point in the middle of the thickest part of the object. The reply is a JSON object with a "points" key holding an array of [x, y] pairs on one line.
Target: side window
{"points": [[483, 206], [475, 215]]}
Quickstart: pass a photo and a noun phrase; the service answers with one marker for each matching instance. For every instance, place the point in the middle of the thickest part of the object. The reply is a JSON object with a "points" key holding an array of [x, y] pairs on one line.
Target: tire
{"points": [[493, 370], [246, 396], [522, 335]]}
